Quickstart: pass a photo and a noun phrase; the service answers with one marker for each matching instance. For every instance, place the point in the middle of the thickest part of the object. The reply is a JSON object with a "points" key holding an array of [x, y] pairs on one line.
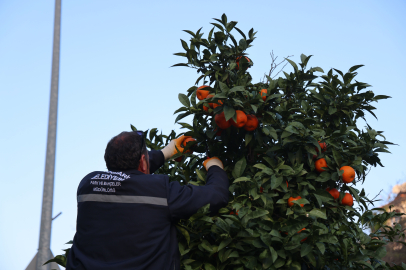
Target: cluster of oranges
{"points": [[347, 177], [205, 94], [248, 122]]}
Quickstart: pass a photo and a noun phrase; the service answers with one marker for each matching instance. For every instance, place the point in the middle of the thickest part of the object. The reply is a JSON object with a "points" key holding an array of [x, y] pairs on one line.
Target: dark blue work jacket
{"points": [[126, 220]]}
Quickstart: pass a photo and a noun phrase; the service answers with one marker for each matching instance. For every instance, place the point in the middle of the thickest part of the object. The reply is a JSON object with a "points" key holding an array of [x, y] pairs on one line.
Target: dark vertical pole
{"points": [[44, 250]]}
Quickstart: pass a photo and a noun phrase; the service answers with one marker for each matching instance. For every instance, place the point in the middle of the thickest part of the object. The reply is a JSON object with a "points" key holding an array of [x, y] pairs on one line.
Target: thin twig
{"points": [[274, 65]]}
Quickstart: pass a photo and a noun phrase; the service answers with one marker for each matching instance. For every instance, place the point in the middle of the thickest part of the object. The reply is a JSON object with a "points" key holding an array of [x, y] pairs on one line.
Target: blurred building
{"points": [[396, 252]]}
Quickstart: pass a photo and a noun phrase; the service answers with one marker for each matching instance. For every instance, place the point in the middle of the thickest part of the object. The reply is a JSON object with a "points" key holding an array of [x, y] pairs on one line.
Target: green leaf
{"points": [[224, 243], [242, 179], [321, 247], [209, 266], [332, 110], [354, 193], [213, 57], [190, 32], [200, 175], [218, 26], [292, 63], [180, 65], [318, 213], [303, 58], [181, 109], [337, 157], [224, 88], [230, 26], [319, 69], [184, 232], [182, 115], [237, 88], [229, 112], [323, 177], [184, 45], [380, 252], [184, 100], [242, 44], [206, 245], [248, 138], [239, 167], [328, 238], [354, 68], [295, 266], [272, 133], [59, 259], [305, 249], [273, 254], [180, 54], [276, 181]]}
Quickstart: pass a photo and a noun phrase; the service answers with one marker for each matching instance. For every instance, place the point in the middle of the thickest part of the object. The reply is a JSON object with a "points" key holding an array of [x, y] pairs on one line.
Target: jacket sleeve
{"points": [[184, 201], [156, 160]]}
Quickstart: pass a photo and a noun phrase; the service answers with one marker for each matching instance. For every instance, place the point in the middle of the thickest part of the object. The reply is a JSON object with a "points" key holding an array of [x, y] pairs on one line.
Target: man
{"points": [[126, 216]]}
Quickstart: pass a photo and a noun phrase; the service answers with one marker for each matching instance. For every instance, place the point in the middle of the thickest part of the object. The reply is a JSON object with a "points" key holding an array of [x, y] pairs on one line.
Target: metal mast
{"points": [[44, 250]]}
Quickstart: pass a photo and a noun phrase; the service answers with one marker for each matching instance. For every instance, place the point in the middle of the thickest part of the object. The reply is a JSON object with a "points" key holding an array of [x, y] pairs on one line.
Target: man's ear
{"points": [[143, 167]]}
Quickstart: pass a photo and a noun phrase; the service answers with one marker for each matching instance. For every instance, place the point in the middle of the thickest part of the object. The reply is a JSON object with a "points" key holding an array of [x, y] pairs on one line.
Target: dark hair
{"points": [[123, 152]]}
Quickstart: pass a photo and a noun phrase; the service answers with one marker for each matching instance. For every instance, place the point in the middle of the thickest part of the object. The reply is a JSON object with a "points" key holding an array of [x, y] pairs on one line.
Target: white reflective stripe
{"points": [[122, 199]]}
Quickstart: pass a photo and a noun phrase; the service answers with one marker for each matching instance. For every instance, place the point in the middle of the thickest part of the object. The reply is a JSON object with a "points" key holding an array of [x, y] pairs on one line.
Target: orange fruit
{"points": [[320, 163], [348, 175], [210, 96], [347, 199], [298, 231], [206, 109], [185, 142], [287, 184], [263, 94], [261, 190], [238, 62], [252, 123], [202, 94], [323, 147], [179, 159], [241, 119], [334, 192], [291, 199], [304, 239], [221, 122], [215, 105]]}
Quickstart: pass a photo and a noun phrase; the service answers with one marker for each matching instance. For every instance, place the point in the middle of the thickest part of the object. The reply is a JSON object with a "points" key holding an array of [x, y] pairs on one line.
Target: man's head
{"points": [[127, 151]]}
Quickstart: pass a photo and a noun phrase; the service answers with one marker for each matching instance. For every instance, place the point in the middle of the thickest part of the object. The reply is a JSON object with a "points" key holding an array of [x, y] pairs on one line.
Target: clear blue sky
{"points": [[115, 70]]}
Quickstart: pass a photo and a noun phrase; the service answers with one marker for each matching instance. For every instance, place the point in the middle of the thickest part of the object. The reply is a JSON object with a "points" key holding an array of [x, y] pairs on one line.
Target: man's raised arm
{"points": [[184, 201]]}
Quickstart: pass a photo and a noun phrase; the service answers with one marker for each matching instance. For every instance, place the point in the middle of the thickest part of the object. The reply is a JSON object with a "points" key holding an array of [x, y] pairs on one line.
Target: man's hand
{"points": [[170, 149], [212, 161]]}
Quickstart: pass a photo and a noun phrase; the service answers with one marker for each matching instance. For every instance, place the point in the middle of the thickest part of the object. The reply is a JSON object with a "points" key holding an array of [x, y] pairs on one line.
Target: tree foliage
{"points": [[267, 166]]}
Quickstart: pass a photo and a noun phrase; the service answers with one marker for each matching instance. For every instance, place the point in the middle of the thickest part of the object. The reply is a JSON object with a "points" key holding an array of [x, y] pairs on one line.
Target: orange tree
{"points": [[282, 212], [302, 118]]}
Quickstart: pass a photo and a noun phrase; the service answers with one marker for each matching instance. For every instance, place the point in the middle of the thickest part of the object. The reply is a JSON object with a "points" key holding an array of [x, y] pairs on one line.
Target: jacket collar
{"points": [[134, 171]]}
